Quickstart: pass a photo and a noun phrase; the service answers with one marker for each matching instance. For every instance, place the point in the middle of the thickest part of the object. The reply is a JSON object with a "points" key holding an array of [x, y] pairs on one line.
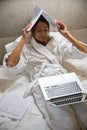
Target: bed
{"points": [[35, 115], [14, 15], [32, 119]]}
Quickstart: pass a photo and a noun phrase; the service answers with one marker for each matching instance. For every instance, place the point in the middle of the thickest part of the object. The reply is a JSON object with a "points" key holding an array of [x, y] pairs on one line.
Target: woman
{"points": [[42, 56], [41, 35]]}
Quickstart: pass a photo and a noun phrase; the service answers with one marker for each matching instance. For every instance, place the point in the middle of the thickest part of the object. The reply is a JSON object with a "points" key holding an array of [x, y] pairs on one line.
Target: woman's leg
{"points": [[80, 110], [58, 118], [62, 118]]}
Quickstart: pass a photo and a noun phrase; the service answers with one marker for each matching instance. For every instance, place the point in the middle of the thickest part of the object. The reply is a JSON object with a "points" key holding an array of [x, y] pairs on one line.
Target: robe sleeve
{"points": [[67, 50], [23, 57]]}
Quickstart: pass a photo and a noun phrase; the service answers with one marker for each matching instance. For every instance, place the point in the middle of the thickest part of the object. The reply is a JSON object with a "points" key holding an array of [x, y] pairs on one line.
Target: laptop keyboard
{"points": [[62, 89], [67, 100]]}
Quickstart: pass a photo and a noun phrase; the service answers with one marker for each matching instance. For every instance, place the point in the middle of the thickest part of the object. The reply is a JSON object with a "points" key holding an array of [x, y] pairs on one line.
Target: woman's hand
{"points": [[26, 34], [62, 28]]}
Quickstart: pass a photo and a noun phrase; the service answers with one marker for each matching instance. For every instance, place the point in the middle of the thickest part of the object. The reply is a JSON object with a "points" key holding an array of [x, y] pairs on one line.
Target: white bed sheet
{"points": [[32, 119], [36, 117]]}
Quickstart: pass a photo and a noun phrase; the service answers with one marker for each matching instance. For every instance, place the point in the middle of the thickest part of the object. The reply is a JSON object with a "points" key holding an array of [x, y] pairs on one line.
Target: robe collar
{"points": [[43, 50]]}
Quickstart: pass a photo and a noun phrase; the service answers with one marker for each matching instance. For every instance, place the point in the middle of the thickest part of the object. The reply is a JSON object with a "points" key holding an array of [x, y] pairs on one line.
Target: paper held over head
{"points": [[37, 13]]}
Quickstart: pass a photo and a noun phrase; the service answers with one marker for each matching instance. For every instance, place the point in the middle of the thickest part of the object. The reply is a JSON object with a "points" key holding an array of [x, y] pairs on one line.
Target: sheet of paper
{"points": [[13, 104], [37, 13]]}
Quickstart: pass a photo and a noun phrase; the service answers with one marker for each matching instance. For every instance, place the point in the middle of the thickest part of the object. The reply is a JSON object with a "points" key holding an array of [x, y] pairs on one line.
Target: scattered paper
{"points": [[13, 104]]}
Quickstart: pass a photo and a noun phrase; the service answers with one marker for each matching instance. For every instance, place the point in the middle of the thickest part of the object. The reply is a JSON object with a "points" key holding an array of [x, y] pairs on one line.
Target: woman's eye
{"points": [[39, 30], [45, 30]]}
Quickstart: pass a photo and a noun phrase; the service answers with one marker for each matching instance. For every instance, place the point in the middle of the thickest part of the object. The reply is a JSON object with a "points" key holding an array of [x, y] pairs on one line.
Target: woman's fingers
{"points": [[28, 26]]}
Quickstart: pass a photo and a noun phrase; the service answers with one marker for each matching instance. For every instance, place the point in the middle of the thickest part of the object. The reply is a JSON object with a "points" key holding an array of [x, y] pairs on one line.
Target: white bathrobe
{"points": [[37, 60]]}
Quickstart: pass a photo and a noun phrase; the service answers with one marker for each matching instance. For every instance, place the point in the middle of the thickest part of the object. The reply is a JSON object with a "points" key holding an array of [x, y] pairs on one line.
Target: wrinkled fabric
{"points": [[38, 61]]}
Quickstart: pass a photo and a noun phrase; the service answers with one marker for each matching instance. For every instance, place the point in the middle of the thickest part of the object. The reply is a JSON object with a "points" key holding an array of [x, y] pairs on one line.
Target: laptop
{"points": [[63, 89]]}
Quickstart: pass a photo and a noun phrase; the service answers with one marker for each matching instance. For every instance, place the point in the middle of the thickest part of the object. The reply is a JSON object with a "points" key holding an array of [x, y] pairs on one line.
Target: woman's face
{"points": [[41, 33]]}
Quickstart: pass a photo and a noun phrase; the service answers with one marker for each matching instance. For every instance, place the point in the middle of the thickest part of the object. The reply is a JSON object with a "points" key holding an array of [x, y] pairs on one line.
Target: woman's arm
{"points": [[63, 30], [15, 55]]}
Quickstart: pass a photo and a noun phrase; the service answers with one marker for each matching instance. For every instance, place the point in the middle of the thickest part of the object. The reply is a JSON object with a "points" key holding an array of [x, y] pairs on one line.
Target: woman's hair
{"points": [[41, 19]]}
